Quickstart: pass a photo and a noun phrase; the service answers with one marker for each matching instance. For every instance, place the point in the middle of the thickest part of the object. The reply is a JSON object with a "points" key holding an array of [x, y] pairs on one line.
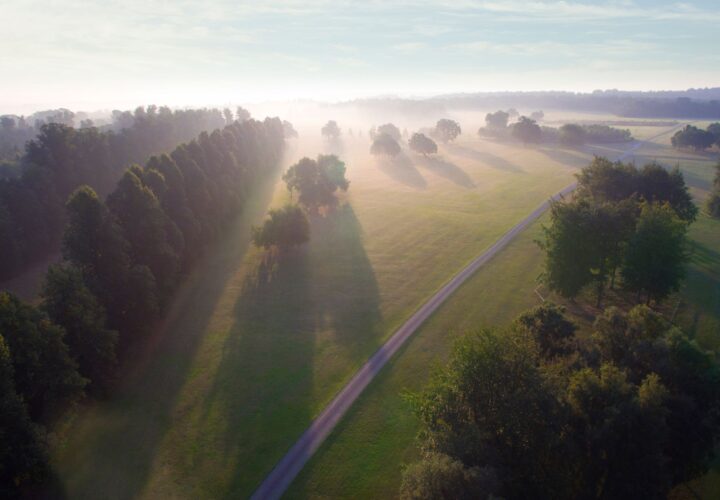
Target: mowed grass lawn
{"points": [[253, 348], [364, 457]]}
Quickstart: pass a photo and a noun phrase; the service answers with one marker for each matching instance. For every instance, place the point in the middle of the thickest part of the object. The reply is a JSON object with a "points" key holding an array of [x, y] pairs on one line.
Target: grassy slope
{"points": [[254, 349], [364, 456]]}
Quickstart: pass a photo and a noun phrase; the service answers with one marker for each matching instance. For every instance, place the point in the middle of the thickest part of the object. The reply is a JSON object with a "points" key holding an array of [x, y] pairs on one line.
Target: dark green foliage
{"points": [[285, 228], [446, 130], [331, 130], [61, 158], [69, 303], [384, 145], [572, 135], [438, 476], [390, 130], [316, 181], [547, 325], [46, 377], [23, 460], [693, 137], [656, 254], [527, 130], [632, 415], [422, 144]]}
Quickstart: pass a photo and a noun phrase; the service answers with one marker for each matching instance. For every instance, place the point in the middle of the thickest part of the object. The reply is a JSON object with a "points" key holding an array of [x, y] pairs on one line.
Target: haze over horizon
{"points": [[121, 54]]}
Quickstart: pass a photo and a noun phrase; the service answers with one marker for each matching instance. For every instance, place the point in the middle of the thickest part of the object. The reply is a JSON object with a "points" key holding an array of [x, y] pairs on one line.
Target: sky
{"points": [[108, 53]]}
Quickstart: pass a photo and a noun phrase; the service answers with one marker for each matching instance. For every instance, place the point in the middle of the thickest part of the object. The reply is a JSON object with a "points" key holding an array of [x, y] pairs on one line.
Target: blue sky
{"points": [[111, 53]]}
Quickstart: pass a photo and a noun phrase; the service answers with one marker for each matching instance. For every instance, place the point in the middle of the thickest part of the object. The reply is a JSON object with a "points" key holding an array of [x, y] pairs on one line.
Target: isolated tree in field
{"points": [[390, 130], [447, 130], [693, 137], [316, 181], [242, 114], [656, 256], [288, 130], [330, 130], [527, 131], [422, 144], [537, 115], [69, 303], [284, 228], [497, 120], [384, 145], [572, 135], [46, 377]]}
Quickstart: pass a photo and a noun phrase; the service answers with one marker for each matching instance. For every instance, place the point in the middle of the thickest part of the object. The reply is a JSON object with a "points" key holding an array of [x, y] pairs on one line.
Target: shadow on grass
{"points": [[401, 169], [565, 157], [485, 157], [320, 298], [443, 168], [112, 448]]}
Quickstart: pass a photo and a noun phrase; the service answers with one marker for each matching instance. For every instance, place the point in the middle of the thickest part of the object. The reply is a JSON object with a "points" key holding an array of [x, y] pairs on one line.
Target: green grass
{"points": [[253, 349], [365, 455]]}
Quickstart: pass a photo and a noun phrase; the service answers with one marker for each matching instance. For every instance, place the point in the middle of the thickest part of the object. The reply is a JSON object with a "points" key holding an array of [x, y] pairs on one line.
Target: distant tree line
{"points": [[535, 411], [621, 219], [697, 138], [526, 130], [60, 158], [122, 260]]}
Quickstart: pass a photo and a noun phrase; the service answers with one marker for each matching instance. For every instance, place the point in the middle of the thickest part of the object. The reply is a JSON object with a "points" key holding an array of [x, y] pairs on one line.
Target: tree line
{"points": [[528, 131], [535, 410], [696, 138], [122, 259], [621, 220], [60, 158]]}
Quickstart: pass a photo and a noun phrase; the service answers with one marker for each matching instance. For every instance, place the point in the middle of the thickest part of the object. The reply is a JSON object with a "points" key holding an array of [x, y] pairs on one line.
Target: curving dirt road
{"points": [[292, 463]]}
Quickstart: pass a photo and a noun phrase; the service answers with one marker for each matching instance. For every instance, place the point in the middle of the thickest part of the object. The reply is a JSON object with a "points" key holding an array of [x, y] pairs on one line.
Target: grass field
{"points": [[253, 349], [365, 455]]}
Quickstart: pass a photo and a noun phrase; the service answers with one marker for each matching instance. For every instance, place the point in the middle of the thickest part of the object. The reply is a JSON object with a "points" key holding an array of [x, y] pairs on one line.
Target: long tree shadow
{"points": [[564, 157], [443, 168], [112, 448], [322, 300], [401, 169], [485, 157]]}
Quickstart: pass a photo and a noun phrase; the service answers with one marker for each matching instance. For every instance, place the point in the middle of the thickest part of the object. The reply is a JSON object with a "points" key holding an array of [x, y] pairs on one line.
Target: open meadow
{"points": [[365, 455]]}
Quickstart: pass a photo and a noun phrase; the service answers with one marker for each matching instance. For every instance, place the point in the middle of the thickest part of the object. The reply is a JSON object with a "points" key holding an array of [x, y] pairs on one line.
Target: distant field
{"points": [[364, 457], [253, 350]]}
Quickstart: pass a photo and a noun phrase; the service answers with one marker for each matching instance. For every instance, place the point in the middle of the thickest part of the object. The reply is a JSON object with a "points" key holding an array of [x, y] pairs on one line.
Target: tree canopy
{"points": [[497, 120], [527, 130], [316, 181], [422, 144], [447, 130], [331, 130], [390, 130], [629, 413], [384, 145], [694, 138], [284, 228]]}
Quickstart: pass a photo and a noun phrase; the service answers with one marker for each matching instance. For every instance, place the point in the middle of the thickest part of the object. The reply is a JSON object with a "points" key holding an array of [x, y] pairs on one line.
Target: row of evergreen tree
{"points": [[122, 259], [60, 158]]}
